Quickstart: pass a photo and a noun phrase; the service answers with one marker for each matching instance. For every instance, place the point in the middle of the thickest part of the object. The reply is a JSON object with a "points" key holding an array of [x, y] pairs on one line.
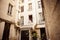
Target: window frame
{"points": [[22, 8], [10, 8], [39, 4], [30, 6], [31, 18], [22, 20]]}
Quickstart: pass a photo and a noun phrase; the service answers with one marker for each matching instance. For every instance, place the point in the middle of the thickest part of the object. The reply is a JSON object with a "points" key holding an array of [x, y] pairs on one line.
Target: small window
{"points": [[21, 1], [30, 6], [39, 4], [30, 18], [18, 11], [22, 20], [22, 9], [42, 18], [40, 15], [10, 9], [19, 7]]}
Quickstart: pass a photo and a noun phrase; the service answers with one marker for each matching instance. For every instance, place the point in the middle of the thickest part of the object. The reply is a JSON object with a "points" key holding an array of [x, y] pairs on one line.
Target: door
{"points": [[43, 34], [25, 35], [6, 31]]}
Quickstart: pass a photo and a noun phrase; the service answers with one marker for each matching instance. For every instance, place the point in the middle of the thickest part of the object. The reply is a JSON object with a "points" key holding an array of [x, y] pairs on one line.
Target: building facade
{"points": [[31, 19], [8, 18]]}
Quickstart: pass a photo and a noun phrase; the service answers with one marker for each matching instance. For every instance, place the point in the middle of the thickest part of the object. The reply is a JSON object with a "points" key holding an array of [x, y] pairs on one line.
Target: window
{"points": [[18, 11], [22, 20], [30, 6], [39, 4], [21, 1], [19, 7], [10, 9], [41, 15], [41, 18], [22, 9], [30, 18]]}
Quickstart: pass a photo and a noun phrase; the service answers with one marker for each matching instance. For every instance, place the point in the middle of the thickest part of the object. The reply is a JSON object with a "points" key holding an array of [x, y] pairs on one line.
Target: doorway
{"points": [[25, 35], [43, 34], [6, 31]]}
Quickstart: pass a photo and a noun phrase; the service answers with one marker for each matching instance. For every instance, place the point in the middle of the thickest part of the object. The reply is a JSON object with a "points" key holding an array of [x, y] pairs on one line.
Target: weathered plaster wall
{"points": [[52, 18]]}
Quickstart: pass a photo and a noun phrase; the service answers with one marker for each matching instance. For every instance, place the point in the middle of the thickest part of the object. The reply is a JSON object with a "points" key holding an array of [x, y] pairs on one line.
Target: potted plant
{"points": [[34, 35]]}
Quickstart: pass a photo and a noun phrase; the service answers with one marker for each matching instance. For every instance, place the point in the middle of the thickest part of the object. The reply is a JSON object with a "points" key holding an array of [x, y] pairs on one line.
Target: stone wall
{"points": [[1, 29], [12, 35], [52, 18]]}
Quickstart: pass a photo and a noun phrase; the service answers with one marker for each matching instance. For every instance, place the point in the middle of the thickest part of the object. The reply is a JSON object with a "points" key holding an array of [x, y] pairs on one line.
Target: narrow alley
{"points": [[29, 19]]}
